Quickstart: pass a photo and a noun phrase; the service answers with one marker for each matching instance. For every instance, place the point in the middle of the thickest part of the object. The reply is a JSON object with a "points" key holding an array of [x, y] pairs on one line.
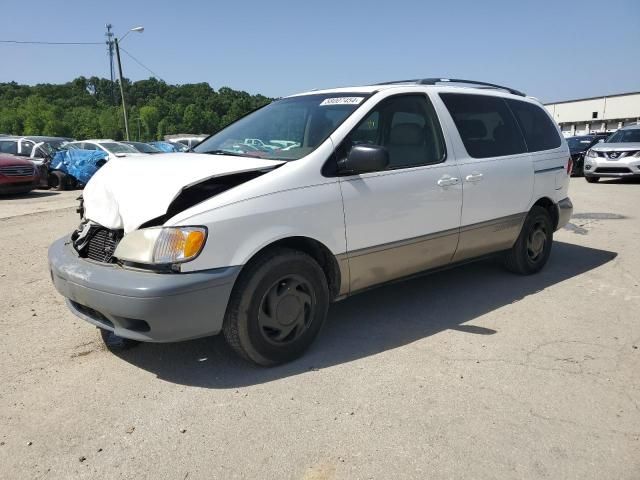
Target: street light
{"points": [[124, 106]]}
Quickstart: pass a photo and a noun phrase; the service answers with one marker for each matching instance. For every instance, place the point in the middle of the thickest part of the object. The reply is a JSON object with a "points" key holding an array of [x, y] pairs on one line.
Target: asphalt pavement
{"points": [[467, 373]]}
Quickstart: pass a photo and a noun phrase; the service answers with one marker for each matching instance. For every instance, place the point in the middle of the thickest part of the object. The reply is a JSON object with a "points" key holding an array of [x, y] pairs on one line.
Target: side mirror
{"points": [[601, 140], [364, 159]]}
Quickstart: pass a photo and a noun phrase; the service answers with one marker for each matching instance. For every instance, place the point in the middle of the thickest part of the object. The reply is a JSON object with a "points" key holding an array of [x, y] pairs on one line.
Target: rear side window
{"points": [[486, 125], [539, 132]]}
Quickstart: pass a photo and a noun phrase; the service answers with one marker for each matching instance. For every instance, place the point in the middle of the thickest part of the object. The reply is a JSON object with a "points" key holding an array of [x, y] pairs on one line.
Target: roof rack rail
{"points": [[433, 81]]}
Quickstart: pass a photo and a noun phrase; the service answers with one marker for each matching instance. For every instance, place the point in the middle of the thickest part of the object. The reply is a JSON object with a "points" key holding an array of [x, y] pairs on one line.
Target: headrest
{"points": [[406, 134], [472, 128]]}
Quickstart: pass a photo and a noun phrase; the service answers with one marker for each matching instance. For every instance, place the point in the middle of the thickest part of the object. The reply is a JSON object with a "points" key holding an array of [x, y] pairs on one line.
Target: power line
{"points": [[21, 42], [141, 64]]}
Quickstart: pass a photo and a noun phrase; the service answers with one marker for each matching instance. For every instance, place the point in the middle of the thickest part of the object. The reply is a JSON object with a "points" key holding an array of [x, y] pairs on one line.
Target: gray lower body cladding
{"points": [[146, 306], [565, 210]]}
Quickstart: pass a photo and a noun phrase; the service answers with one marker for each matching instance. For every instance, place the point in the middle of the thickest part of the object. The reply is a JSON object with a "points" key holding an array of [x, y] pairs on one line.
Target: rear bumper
{"points": [[565, 210], [152, 307]]}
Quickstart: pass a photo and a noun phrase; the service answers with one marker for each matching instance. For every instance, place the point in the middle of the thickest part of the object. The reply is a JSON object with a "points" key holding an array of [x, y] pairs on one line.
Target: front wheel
{"points": [[533, 246], [277, 307], [592, 179]]}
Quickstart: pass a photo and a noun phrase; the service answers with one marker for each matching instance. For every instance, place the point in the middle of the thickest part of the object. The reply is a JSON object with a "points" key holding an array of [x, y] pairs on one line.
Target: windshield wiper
{"points": [[224, 152]]}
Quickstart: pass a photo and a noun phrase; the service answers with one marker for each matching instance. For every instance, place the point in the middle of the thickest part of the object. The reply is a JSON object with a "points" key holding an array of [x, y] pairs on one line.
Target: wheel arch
{"points": [[331, 266], [551, 207]]}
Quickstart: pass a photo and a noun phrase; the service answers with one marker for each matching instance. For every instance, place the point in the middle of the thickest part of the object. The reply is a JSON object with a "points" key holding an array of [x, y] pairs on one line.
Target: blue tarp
{"points": [[80, 164]]}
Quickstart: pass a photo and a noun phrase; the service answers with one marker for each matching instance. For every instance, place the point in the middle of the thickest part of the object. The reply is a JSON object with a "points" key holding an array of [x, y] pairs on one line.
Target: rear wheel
{"points": [[592, 179], [577, 170], [533, 246], [59, 180], [277, 307]]}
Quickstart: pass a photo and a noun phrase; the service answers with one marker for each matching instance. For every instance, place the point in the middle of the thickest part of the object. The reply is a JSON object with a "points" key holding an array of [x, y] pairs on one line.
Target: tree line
{"points": [[91, 108]]}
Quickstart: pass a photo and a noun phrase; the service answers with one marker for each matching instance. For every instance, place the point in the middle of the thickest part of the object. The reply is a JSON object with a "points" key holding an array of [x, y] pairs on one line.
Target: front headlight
{"points": [[592, 154], [162, 245]]}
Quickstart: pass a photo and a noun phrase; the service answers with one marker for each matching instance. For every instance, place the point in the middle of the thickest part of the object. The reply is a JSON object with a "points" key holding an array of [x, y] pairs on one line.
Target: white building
{"points": [[596, 114]]}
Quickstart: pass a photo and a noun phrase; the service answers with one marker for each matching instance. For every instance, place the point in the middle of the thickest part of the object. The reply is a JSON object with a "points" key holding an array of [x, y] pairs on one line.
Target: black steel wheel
{"points": [[277, 308], [286, 310], [531, 250], [58, 180]]}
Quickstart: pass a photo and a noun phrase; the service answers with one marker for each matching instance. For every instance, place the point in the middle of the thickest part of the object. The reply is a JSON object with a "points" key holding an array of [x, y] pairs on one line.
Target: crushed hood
{"points": [[127, 192]]}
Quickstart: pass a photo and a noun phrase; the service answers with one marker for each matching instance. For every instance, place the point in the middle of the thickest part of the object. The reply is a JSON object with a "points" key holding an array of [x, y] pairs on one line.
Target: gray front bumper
{"points": [[152, 307]]}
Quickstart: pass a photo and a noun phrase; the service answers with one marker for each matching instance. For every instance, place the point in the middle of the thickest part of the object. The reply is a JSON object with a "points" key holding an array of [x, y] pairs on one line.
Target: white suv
{"points": [[112, 148], [386, 181], [617, 157]]}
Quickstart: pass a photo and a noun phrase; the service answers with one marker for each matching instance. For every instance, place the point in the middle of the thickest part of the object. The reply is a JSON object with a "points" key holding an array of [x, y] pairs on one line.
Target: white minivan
{"points": [[383, 182]]}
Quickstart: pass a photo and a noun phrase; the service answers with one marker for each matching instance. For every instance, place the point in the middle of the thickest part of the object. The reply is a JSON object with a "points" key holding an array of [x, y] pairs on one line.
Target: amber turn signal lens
{"points": [[193, 243]]}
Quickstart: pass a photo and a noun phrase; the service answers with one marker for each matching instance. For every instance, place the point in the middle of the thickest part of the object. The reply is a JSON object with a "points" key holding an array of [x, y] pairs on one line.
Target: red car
{"points": [[17, 175]]}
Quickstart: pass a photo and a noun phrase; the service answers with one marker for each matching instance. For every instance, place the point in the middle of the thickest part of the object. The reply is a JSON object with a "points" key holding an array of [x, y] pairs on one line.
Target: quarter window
{"points": [[486, 125], [407, 126], [539, 132], [9, 147]]}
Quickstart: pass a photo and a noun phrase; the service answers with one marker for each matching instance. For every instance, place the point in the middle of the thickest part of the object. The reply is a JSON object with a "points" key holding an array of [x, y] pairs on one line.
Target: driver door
{"points": [[406, 218]]}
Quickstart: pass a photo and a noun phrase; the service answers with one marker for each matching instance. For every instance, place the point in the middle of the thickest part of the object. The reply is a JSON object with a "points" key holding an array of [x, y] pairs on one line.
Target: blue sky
{"points": [[550, 49]]}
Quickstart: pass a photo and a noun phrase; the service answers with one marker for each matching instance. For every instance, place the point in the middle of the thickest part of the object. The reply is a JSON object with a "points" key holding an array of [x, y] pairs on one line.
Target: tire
{"points": [[277, 307], [58, 180], [592, 179], [577, 171], [115, 343], [533, 246]]}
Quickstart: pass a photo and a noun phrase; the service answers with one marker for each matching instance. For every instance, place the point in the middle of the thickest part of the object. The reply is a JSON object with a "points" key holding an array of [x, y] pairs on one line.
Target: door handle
{"points": [[447, 181], [474, 177]]}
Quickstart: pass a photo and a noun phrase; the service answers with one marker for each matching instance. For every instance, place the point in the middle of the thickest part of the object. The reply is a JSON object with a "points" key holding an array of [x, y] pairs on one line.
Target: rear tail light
{"points": [[569, 165]]}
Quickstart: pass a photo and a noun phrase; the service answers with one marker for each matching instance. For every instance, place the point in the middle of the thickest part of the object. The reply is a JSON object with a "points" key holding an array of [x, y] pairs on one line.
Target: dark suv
{"points": [[578, 146]]}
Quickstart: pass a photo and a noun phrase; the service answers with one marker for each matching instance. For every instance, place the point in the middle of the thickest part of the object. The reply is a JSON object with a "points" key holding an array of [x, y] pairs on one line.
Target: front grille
{"points": [[102, 245], [612, 170], [617, 155], [18, 171]]}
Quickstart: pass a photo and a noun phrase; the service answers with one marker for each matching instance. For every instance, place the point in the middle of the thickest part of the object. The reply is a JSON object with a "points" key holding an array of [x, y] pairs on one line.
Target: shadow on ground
{"points": [[375, 321], [618, 181], [31, 194]]}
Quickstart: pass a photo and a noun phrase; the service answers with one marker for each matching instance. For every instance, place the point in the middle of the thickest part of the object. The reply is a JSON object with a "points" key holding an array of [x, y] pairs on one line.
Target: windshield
{"points": [[118, 147], [286, 129], [625, 136], [580, 143], [144, 147]]}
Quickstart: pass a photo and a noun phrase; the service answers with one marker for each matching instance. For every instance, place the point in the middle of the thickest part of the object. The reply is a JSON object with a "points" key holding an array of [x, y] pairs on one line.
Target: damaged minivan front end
{"points": [[121, 269]]}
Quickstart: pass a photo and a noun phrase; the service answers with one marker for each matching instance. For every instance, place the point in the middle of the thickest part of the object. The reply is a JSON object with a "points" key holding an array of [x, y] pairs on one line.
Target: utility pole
{"points": [[109, 43], [124, 106]]}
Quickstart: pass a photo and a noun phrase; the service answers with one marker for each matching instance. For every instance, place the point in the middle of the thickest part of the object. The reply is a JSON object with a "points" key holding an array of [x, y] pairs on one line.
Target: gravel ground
{"points": [[467, 373]]}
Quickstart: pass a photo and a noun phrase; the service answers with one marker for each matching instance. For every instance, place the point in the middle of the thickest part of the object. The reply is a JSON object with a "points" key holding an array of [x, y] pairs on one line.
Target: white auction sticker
{"points": [[341, 101]]}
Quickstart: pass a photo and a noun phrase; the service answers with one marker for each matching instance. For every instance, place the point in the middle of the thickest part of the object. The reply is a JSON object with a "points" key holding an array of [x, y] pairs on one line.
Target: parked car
{"points": [[260, 145], [578, 146], [618, 156], [17, 175], [189, 141], [388, 181], [169, 147], [142, 147], [111, 147], [39, 149]]}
